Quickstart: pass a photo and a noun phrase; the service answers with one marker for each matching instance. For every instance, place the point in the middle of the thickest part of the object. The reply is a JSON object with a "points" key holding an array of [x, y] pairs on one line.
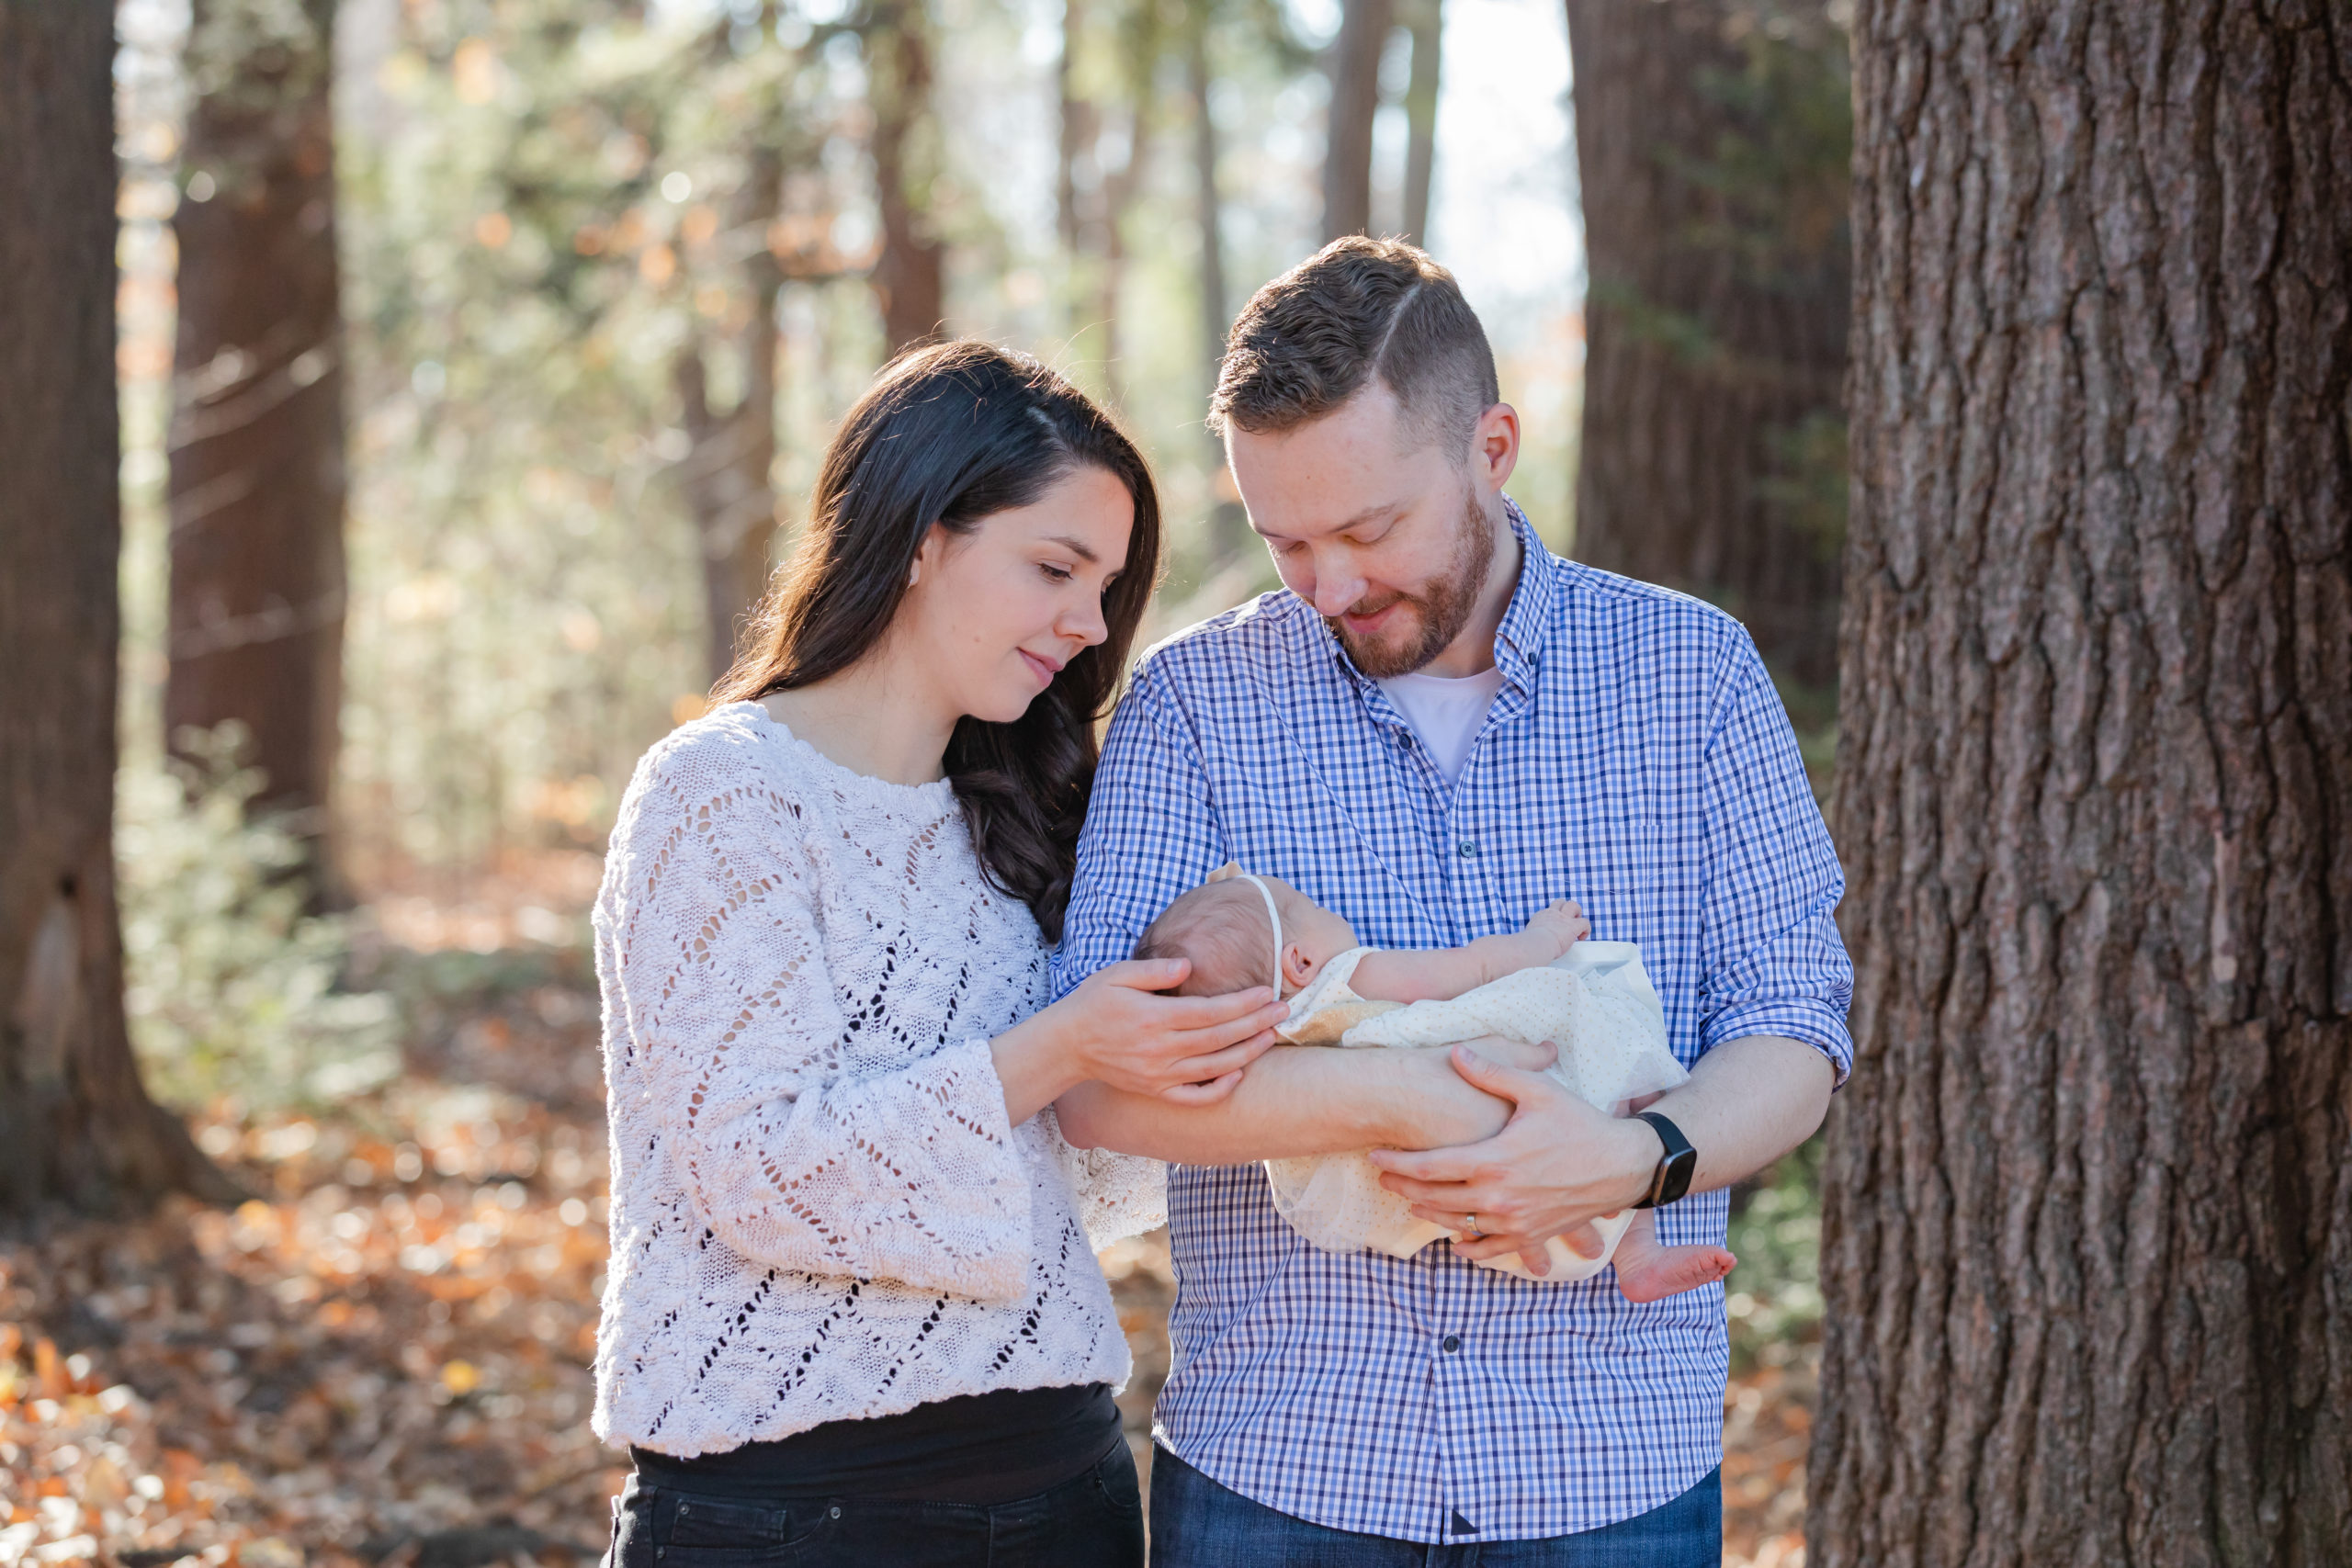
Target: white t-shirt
{"points": [[1445, 712]]}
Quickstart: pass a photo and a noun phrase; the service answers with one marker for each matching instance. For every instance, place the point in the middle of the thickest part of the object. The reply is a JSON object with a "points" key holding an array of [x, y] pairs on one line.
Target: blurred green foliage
{"points": [[1775, 1293], [545, 210], [1808, 484], [234, 992]]}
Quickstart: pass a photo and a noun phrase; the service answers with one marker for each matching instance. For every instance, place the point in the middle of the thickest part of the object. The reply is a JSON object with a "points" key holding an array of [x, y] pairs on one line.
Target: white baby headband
{"points": [[1275, 915]]}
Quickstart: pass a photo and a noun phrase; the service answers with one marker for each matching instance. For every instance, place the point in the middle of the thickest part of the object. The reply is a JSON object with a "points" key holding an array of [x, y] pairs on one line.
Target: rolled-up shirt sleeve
{"points": [[1772, 959], [910, 1175]]}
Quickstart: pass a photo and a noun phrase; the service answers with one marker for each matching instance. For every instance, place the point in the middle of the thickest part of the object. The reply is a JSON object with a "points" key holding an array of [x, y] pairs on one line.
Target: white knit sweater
{"points": [[818, 1210]]}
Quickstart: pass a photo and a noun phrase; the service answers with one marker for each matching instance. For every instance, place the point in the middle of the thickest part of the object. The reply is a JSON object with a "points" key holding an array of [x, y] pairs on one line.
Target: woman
{"points": [[853, 1314]]}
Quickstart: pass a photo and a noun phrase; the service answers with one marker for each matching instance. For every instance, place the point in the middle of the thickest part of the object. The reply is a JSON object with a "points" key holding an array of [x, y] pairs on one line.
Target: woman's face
{"points": [[995, 612]]}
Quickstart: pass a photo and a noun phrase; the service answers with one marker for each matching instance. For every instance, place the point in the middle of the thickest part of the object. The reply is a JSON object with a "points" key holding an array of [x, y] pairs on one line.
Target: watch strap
{"points": [[1676, 1166]]}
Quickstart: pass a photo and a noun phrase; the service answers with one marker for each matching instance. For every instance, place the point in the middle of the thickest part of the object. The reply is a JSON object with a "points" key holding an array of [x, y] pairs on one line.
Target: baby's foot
{"points": [[1648, 1272]]}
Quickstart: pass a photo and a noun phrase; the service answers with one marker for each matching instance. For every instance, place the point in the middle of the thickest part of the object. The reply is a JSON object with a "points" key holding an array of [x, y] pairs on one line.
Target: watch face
{"points": [[1677, 1176]]}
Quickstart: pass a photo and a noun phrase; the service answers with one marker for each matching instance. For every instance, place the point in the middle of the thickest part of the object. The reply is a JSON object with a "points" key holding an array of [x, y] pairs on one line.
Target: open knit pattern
{"points": [[819, 1210]]}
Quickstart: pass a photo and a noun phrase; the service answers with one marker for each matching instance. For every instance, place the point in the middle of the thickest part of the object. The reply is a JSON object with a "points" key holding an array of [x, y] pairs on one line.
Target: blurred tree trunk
{"points": [[75, 1125], [1354, 70], [256, 437], [726, 470], [1120, 188], [1101, 175], [909, 276], [1208, 203], [2089, 1203], [1427, 20], [1075, 127], [1713, 159], [1229, 532]]}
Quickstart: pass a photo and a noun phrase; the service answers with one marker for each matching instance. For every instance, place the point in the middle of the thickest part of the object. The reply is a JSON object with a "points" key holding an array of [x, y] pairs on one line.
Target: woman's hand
{"points": [[1115, 1029]]}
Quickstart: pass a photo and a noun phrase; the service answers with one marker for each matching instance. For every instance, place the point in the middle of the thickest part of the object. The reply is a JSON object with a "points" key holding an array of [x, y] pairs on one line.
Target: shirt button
{"points": [[1469, 848], [1451, 1342]]}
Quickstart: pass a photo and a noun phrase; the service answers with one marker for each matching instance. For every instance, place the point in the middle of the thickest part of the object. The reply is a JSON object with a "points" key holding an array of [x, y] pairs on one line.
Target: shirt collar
{"points": [[1519, 641]]}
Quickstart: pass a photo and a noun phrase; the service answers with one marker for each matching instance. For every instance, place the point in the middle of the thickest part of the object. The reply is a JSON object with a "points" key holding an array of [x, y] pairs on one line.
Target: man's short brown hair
{"points": [[1308, 341]]}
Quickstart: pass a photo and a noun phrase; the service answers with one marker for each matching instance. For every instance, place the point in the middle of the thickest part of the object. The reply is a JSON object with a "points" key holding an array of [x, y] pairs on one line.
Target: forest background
{"points": [[471, 359]]}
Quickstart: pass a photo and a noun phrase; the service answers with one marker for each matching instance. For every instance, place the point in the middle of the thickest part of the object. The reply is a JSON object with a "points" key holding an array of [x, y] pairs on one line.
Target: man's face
{"points": [[1390, 536]]}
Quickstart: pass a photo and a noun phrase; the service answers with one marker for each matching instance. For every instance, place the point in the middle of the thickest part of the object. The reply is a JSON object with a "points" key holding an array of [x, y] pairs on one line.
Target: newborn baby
{"points": [[1236, 927]]}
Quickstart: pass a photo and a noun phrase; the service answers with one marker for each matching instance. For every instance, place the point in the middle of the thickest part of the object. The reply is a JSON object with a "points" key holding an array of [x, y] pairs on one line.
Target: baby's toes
{"points": [[1671, 1271]]}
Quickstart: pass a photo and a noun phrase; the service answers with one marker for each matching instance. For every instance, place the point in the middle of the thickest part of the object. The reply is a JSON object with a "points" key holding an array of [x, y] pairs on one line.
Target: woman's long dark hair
{"points": [[950, 433]]}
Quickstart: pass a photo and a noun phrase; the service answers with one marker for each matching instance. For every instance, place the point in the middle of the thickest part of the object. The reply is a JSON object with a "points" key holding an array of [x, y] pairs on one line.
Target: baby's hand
{"points": [[1562, 923]]}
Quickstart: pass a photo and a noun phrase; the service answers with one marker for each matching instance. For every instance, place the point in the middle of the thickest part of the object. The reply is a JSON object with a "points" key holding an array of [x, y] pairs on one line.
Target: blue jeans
{"points": [[1198, 1523], [1092, 1520]]}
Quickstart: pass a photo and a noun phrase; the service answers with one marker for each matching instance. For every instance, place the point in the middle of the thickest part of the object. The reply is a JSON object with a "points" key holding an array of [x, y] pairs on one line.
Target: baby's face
{"points": [[1312, 935]]}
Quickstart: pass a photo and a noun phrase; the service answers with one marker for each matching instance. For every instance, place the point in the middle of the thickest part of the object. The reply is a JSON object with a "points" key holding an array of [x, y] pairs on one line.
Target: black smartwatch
{"points": [[1674, 1169]]}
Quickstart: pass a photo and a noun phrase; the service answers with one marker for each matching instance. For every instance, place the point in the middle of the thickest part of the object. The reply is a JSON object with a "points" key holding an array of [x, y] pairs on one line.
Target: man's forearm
{"points": [[1293, 1100], [1748, 1102]]}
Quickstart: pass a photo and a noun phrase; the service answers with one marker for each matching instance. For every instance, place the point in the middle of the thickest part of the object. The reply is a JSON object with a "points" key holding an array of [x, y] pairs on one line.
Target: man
{"points": [[1437, 729]]}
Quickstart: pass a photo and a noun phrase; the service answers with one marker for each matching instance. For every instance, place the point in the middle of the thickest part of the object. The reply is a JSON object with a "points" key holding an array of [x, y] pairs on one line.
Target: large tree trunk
{"points": [[1427, 19], [2089, 1218], [726, 469], [257, 439], [1354, 70], [75, 1126], [1713, 172], [909, 277]]}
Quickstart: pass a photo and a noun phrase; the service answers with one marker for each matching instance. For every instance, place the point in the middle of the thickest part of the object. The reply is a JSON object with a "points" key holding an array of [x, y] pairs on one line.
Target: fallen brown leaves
{"points": [[383, 1357], [1768, 1420]]}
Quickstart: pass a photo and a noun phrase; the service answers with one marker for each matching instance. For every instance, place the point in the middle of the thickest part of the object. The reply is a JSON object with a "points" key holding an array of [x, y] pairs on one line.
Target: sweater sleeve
{"points": [[910, 1175], [1118, 1195]]}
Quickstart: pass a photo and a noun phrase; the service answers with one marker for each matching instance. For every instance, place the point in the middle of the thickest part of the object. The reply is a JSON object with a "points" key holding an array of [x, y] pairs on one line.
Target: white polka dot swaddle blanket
{"points": [[1594, 1004]]}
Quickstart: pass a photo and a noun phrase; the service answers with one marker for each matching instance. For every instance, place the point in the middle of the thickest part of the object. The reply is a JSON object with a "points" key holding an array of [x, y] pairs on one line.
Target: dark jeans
{"points": [[1095, 1517], [1198, 1523]]}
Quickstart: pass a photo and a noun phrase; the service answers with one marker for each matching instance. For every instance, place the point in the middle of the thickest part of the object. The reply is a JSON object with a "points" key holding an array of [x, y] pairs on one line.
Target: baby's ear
{"points": [[1224, 872], [1297, 968]]}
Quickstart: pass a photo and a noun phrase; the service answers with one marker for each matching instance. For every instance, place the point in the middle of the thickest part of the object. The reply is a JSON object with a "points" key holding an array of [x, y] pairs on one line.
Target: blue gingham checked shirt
{"points": [[1638, 760]]}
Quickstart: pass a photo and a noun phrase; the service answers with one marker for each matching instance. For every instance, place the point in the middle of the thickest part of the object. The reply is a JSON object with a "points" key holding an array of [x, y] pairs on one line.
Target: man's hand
{"points": [[1556, 1164]]}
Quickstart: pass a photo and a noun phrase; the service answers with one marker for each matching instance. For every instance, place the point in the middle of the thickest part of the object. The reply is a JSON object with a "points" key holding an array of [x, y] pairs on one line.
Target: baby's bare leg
{"points": [[1648, 1272]]}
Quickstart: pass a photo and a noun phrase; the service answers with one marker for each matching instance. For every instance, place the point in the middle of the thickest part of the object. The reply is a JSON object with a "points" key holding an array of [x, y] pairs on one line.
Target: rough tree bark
{"points": [[75, 1126], [909, 276], [725, 473], [1354, 69], [257, 483], [2088, 1216], [1715, 324], [1427, 20]]}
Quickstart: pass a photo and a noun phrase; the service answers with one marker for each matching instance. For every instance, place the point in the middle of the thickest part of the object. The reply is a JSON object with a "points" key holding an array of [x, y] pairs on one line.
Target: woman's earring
{"points": [[914, 573]]}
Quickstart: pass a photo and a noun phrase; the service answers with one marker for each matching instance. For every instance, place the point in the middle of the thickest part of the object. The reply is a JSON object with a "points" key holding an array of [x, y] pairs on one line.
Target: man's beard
{"points": [[1441, 609]]}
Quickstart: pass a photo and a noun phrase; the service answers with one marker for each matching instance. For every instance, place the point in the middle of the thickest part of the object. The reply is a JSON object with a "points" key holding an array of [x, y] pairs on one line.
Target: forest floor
{"points": [[381, 1358]]}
